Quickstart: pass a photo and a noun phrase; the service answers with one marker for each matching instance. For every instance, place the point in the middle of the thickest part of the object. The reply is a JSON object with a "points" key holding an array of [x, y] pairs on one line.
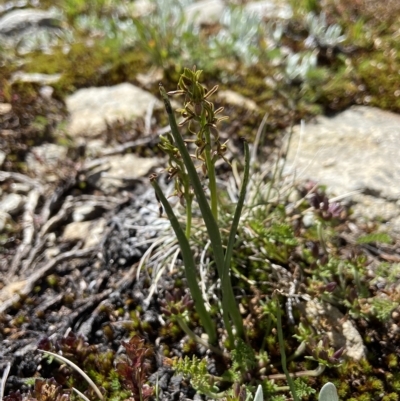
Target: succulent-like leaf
{"points": [[328, 393]]}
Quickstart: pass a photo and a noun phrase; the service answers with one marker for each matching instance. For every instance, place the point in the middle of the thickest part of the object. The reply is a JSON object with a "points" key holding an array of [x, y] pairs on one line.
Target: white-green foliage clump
{"points": [[299, 65], [239, 36], [322, 34]]}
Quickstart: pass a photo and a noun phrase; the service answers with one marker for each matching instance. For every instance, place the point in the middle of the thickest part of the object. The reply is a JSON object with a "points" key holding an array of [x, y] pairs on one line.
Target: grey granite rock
{"points": [[2, 157], [326, 318], [42, 79], [236, 99], [42, 159], [90, 232], [270, 9], [91, 108], [120, 172], [354, 153], [27, 30], [16, 22], [205, 11]]}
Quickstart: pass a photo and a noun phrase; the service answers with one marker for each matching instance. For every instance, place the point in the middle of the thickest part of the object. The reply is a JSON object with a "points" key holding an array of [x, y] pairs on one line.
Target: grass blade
{"points": [[190, 267], [77, 369], [4, 379]]}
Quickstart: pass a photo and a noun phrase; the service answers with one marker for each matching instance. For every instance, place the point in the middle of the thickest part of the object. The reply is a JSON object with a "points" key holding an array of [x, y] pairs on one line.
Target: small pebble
{"points": [[12, 203], [20, 188]]}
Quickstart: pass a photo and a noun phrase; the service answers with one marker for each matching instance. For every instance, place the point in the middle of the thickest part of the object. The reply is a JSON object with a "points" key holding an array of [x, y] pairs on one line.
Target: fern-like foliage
{"points": [[195, 369], [302, 389]]}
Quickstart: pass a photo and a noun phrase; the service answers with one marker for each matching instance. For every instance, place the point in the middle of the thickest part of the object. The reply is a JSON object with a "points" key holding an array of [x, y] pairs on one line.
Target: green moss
{"points": [[338, 91], [395, 382], [102, 63], [390, 397], [379, 74], [392, 361], [374, 384]]}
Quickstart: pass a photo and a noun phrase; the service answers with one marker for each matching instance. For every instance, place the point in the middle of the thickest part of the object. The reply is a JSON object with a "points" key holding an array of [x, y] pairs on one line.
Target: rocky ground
{"points": [[77, 216]]}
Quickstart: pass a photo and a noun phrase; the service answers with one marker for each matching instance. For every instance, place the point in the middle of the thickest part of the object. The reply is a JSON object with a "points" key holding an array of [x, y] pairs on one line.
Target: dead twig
{"points": [[28, 232], [7, 175], [27, 285]]}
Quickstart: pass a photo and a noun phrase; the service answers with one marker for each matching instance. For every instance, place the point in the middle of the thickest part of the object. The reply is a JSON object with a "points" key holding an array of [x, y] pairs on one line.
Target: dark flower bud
{"points": [[330, 287], [242, 394], [325, 203], [236, 390], [338, 354], [190, 304], [168, 297], [314, 249], [335, 209], [314, 201], [165, 311]]}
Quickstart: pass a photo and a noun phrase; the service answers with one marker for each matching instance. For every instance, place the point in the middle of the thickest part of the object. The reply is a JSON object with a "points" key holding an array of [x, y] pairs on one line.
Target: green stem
{"points": [[304, 373], [282, 349], [185, 328], [212, 182], [320, 231], [208, 217], [189, 200], [234, 310], [190, 267]]}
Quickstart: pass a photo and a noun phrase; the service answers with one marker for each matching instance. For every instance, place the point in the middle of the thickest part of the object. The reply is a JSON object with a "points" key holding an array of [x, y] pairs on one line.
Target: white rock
{"points": [[91, 108], [236, 99], [119, 172], [205, 12], [5, 108], [42, 158], [20, 188], [355, 150], [84, 212], [270, 9], [88, 231], [328, 319], [140, 8], [17, 21], [5, 220], [2, 157], [42, 79], [12, 203], [354, 153]]}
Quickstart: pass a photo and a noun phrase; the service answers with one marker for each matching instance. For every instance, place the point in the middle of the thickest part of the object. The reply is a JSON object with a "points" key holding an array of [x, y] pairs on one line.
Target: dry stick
{"points": [[78, 369], [260, 131], [53, 300], [28, 232], [40, 273], [149, 115], [128, 145], [305, 373], [5, 175], [28, 264], [54, 198], [83, 396], [4, 379], [87, 304], [60, 216], [86, 326]]}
